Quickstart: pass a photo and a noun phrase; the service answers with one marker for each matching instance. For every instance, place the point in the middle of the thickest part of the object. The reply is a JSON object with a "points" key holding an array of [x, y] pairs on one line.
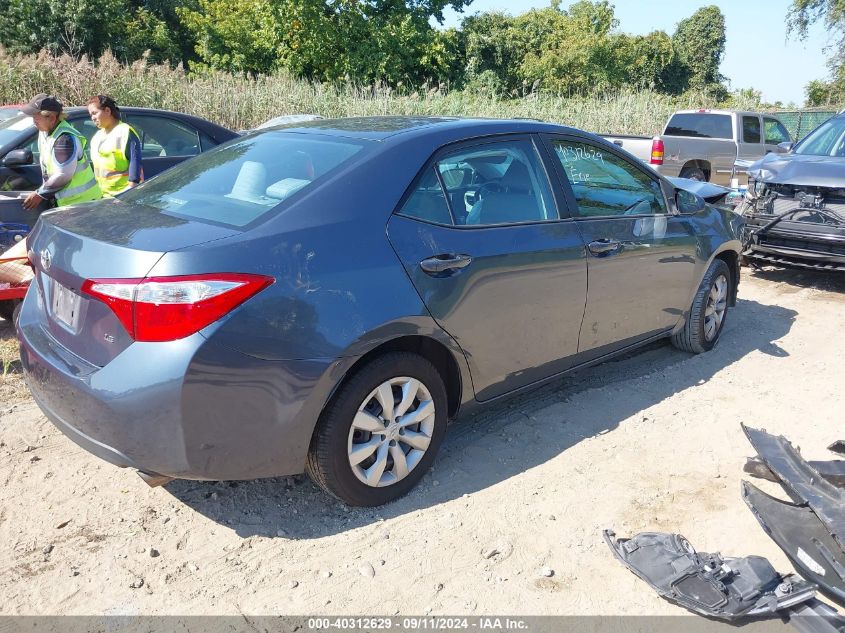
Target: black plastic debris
{"points": [[803, 538], [801, 481], [833, 471], [814, 616], [709, 584]]}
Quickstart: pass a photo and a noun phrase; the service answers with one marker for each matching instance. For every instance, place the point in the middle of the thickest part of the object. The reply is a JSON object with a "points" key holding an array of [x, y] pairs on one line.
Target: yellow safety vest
{"points": [[83, 186], [111, 164]]}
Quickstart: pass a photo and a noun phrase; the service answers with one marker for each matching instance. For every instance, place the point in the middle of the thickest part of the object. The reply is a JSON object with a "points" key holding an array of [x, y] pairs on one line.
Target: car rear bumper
{"points": [[188, 409]]}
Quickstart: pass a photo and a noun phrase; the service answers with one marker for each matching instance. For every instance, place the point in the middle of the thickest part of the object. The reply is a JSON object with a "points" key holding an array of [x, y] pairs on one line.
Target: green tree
{"points": [[802, 14], [369, 40], [700, 42], [127, 27], [650, 61], [492, 58]]}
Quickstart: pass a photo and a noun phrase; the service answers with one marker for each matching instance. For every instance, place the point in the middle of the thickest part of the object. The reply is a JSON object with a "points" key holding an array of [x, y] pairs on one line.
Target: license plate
{"points": [[66, 304]]}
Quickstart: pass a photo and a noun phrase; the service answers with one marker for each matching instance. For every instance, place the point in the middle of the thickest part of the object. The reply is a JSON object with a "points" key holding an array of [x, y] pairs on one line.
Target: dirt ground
{"points": [[650, 442]]}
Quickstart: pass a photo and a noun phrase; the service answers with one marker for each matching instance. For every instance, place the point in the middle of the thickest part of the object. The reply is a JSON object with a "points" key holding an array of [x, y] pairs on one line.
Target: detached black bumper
{"points": [[795, 244]]}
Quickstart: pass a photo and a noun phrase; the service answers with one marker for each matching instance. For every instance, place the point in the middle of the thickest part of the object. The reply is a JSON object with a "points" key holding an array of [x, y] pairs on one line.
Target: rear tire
{"points": [[379, 434], [694, 173], [708, 312]]}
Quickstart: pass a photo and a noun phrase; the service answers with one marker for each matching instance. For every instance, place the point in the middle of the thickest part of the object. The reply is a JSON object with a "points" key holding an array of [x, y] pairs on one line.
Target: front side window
{"points": [[605, 184], [751, 129], [496, 183], [86, 127], [775, 132], [239, 183]]}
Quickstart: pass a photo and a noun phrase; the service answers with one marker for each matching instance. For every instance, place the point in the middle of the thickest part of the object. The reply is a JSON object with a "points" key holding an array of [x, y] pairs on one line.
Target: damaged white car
{"points": [[795, 205]]}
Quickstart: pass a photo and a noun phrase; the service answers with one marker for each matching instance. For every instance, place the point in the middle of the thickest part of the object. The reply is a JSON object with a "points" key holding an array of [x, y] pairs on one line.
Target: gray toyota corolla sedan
{"points": [[326, 297]]}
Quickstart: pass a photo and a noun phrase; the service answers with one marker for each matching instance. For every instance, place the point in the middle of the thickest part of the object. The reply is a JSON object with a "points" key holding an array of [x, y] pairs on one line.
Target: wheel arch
{"points": [[702, 164], [731, 258], [436, 352]]}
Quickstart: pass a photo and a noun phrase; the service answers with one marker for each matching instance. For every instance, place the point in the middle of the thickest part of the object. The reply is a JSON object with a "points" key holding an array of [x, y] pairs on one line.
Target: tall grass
{"points": [[242, 102]]}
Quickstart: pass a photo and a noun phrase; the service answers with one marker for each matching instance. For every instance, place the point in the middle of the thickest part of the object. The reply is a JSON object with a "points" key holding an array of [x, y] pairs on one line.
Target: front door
{"points": [[640, 257], [481, 238]]}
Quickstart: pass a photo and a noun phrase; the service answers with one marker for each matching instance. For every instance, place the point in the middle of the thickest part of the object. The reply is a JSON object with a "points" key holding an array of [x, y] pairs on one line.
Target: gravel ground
{"points": [[509, 520]]}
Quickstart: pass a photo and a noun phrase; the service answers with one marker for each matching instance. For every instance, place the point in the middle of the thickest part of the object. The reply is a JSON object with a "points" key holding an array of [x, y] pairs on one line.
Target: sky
{"points": [[757, 53]]}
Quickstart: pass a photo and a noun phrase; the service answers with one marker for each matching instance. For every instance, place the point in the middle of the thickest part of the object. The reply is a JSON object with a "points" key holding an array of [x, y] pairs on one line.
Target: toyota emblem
{"points": [[46, 259]]}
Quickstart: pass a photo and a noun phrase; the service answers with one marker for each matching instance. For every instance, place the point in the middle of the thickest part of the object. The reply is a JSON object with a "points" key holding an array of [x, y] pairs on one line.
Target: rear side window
{"points": [[751, 129], [700, 125], [238, 183], [484, 185], [775, 132], [161, 136], [427, 201]]}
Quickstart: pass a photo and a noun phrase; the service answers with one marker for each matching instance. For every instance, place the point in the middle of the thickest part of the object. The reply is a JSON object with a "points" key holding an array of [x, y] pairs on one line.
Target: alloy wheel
{"points": [[717, 303], [391, 431]]}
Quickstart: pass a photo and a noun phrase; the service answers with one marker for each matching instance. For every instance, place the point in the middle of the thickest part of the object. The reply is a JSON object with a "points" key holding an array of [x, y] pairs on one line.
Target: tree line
{"points": [[572, 51], [566, 50]]}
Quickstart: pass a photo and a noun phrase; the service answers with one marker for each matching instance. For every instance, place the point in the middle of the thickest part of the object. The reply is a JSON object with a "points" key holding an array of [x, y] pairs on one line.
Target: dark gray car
{"points": [[326, 297], [167, 138]]}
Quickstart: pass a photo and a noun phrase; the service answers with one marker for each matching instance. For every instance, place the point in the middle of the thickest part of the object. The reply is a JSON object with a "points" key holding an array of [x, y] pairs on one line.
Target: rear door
{"points": [[480, 236], [640, 256]]}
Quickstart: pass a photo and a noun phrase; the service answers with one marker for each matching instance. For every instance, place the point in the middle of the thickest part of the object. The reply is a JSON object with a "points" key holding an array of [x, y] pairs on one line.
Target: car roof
{"points": [[383, 128]]}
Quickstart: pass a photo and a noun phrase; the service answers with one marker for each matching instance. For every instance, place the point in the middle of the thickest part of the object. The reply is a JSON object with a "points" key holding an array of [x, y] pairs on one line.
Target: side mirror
{"points": [[18, 158], [785, 147], [688, 202]]}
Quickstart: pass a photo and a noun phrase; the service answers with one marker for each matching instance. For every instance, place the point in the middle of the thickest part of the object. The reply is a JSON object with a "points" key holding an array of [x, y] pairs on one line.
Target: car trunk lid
{"points": [[106, 240]]}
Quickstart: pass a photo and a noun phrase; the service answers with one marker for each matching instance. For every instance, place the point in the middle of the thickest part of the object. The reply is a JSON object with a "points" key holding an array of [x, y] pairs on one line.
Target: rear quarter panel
{"points": [[638, 146], [720, 154]]}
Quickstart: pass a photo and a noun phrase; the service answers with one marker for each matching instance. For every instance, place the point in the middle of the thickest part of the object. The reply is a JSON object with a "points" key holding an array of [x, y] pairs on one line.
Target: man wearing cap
{"points": [[65, 167]]}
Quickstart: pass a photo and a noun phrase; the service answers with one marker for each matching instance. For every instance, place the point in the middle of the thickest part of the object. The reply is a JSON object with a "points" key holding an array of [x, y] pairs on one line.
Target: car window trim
{"points": [[549, 139], [480, 141]]}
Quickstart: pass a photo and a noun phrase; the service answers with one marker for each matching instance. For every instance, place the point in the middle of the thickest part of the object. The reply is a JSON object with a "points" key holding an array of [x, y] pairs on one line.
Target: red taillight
{"points": [[656, 151], [170, 308]]}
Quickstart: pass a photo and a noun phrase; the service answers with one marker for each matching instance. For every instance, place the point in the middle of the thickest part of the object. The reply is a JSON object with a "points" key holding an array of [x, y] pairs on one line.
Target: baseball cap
{"points": [[42, 102]]}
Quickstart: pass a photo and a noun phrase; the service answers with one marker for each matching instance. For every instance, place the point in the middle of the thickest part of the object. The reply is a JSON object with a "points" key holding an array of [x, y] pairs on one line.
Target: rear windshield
{"points": [[826, 140], [700, 125], [243, 181]]}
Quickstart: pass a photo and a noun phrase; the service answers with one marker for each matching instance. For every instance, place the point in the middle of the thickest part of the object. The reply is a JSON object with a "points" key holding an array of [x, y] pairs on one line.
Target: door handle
{"points": [[604, 246], [444, 263]]}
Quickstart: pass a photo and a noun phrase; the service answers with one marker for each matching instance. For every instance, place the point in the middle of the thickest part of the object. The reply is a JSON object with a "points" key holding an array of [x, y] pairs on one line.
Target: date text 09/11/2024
{"points": [[416, 623]]}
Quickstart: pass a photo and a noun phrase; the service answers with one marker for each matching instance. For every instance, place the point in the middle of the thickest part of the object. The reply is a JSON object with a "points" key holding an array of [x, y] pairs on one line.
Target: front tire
{"points": [[709, 309], [379, 434]]}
